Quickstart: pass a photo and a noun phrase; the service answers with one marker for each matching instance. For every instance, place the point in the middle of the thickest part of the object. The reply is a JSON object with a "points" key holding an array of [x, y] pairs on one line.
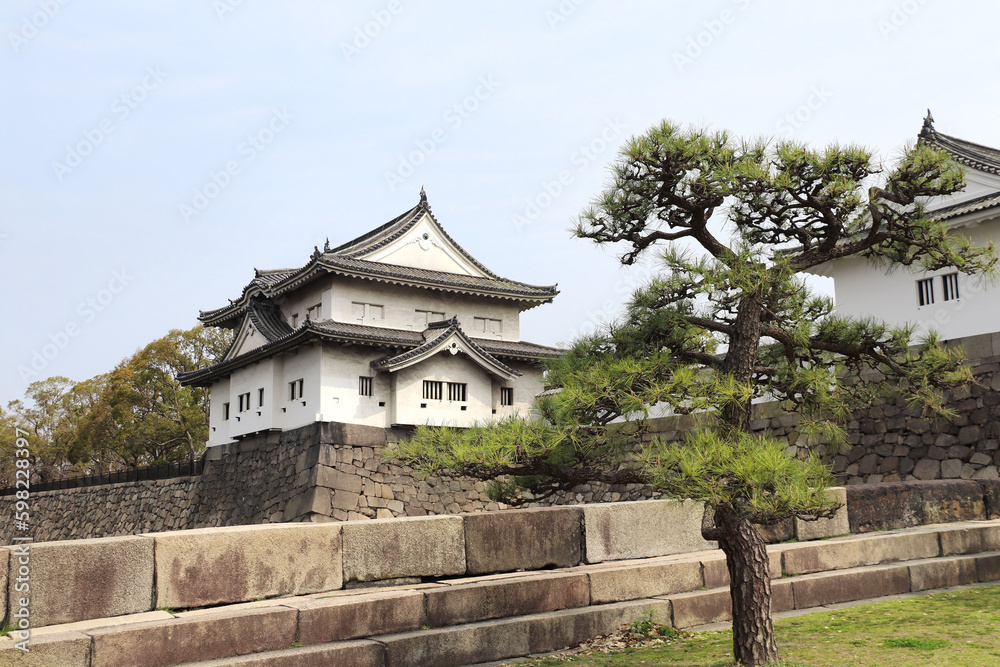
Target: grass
{"points": [[960, 628]]}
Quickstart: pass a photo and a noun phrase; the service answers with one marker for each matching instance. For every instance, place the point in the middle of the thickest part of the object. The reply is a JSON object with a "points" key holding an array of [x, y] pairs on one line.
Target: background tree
{"points": [[137, 414], [728, 321]]}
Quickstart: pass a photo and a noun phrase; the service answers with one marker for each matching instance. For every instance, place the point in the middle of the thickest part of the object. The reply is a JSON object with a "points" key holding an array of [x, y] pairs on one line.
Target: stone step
{"points": [[469, 620]]}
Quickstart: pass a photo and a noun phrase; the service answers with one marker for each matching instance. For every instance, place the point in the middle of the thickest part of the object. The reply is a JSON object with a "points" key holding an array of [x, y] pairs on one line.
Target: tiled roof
{"points": [[436, 334], [403, 341], [345, 260], [973, 206], [977, 156], [268, 320]]}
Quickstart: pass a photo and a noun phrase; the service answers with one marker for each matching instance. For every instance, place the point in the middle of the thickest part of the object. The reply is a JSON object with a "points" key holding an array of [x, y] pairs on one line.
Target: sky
{"points": [[155, 153]]}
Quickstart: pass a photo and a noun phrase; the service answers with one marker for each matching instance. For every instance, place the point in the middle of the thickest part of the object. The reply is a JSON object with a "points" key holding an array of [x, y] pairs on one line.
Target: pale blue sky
{"points": [[116, 113]]}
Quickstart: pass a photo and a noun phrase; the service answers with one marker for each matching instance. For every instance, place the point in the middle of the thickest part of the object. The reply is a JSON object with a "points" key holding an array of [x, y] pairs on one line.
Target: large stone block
{"points": [[716, 572], [560, 629], [202, 636], [81, 579], [821, 528], [529, 539], [315, 500], [943, 573], [431, 546], [701, 607], [332, 478], [858, 552], [615, 584], [832, 587], [459, 645], [502, 598], [988, 567], [341, 617], [618, 531], [195, 568], [57, 649], [970, 539], [893, 505], [355, 435], [353, 653]]}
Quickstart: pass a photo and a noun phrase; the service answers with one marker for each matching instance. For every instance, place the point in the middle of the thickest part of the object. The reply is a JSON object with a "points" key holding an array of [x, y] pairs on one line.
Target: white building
{"points": [[954, 304], [400, 326]]}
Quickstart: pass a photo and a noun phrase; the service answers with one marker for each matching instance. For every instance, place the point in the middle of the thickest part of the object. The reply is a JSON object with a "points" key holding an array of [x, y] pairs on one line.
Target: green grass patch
{"points": [[960, 628]]}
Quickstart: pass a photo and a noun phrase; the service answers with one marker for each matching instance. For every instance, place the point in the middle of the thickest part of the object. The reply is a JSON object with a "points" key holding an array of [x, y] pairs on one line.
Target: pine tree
{"points": [[729, 320]]}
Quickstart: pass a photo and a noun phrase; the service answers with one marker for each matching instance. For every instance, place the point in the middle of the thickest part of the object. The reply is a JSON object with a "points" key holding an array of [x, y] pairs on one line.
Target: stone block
{"points": [[716, 572], [340, 617], [76, 580], [431, 546], [943, 573], [970, 539], [204, 636], [832, 587], [502, 598], [353, 653], [332, 478], [461, 645], [821, 528], [988, 567], [858, 552], [57, 649], [643, 529], [316, 499], [345, 500], [904, 504], [701, 607], [353, 435], [556, 630], [207, 566], [951, 468], [927, 469], [528, 539], [615, 584]]}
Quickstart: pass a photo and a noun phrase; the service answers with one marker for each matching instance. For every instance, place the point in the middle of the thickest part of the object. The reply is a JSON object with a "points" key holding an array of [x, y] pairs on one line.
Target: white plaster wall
{"points": [[302, 299], [263, 374], [862, 290], [305, 363], [342, 368], [526, 387], [433, 252], [218, 428], [401, 304], [447, 368]]}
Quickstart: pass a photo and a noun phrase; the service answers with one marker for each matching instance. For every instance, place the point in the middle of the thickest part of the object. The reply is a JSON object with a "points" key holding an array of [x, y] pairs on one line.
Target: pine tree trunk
{"points": [[749, 588]]}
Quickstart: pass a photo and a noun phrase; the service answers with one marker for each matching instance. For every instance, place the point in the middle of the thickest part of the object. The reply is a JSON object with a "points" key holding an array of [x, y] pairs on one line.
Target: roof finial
{"points": [[316, 252], [326, 246], [928, 127], [423, 195]]}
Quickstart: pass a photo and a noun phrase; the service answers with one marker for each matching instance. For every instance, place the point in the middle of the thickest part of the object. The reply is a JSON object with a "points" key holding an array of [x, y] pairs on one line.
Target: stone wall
{"points": [[336, 472], [321, 472]]}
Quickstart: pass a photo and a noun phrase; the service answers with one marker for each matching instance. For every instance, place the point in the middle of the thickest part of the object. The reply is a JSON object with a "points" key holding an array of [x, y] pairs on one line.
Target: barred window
{"points": [[506, 396], [364, 386], [432, 389], [295, 389], [950, 285], [925, 291], [456, 391]]}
